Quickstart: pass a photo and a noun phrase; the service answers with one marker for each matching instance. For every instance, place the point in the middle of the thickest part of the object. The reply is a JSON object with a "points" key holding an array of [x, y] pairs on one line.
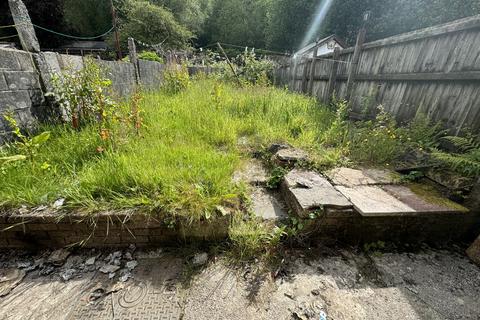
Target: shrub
{"points": [[150, 56], [176, 79]]}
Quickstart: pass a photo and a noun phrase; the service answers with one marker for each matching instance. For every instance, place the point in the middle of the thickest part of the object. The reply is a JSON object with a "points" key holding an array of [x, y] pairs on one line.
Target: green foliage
{"points": [[181, 164], [175, 79], [251, 238], [150, 56], [376, 142], [88, 17], [466, 161], [28, 147], [250, 69], [152, 24], [276, 177], [82, 94]]}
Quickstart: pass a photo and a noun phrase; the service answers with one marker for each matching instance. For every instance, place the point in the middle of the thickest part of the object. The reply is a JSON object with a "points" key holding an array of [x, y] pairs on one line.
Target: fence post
{"points": [[132, 53], [332, 78], [24, 26], [303, 89], [312, 71], [352, 70]]}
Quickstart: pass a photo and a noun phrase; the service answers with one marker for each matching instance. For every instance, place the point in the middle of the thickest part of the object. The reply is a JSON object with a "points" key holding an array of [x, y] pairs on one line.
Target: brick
{"points": [[43, 227]]}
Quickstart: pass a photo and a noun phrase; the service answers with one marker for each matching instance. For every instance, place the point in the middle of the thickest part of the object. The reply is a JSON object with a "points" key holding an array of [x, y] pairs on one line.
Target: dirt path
{"points": [[431, 284]]}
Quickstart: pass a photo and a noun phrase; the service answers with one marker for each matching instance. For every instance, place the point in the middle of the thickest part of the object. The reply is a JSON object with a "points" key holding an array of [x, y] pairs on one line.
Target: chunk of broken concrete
{"points": [[58, 257], [109, 268], [473, 251], [200, 259], [290, 156], [131, 264], [307, 191]]}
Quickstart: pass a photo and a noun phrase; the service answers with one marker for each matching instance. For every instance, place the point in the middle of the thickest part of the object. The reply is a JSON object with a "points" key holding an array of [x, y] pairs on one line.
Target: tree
{"points": [[288, 22], [152, 24], [88, 17], [239, 22], [46, 13]]}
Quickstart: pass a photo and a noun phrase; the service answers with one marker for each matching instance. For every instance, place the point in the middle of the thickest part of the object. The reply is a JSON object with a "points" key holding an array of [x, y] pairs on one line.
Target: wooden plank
{"points": [[332, 78]]}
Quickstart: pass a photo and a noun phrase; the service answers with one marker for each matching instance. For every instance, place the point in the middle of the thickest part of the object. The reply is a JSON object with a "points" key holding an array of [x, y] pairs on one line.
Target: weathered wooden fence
{"points": [[435, 71]]}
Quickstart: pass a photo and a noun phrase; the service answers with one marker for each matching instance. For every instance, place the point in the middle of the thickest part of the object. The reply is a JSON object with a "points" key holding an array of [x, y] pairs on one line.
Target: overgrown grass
{"points": [[181, 164]]}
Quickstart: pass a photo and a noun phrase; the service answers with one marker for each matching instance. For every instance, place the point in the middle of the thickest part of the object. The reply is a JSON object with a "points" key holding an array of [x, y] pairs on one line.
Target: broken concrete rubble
{"points": [[290, 156]]}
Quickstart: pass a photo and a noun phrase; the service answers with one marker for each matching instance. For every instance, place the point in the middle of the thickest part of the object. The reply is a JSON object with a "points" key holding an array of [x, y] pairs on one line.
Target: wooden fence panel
{"points": [[435, 71]]}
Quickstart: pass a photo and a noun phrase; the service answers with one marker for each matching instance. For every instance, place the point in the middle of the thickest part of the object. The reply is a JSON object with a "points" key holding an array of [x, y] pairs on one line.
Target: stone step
{"points": [[307, 191], [266, 204]]}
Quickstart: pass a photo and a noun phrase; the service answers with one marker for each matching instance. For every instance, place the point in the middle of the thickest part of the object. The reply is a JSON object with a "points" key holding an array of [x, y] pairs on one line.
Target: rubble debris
{"points": [[200, 259], [307, 311], [67, 274], [9, 279], [131, 264], [108, 268], [128, 256], [90, 261], [290, 156], [58, 203], [58, 257]]}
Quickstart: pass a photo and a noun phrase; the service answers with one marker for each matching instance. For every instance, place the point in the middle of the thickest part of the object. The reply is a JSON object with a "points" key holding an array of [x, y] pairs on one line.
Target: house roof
{"points": [[310, 46]]}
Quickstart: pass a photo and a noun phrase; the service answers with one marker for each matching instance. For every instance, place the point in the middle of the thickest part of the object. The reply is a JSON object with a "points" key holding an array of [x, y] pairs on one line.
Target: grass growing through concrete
{"points": [[182, 162]]}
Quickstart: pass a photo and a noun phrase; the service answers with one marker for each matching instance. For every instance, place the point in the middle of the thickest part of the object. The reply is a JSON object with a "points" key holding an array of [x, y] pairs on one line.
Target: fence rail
{"points": [[435, 71]]}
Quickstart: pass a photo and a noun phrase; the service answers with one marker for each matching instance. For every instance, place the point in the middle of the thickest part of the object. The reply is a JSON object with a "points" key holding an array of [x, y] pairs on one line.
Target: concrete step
{"points": [[380, 207]]}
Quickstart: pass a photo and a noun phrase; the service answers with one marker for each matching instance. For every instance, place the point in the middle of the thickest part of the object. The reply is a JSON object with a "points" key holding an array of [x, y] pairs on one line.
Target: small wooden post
{"points": [[24, 26], [332, 78], [132, 53], [352, 70], [311, 78]]}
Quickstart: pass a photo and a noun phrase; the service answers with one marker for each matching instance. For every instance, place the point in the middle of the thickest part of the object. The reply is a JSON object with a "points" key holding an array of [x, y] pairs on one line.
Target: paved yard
{"points": [[160, 284]]}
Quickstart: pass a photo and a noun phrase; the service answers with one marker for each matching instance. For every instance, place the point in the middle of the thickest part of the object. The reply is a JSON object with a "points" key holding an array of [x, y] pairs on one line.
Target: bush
{"points": [[176, 79], [150, 56]]}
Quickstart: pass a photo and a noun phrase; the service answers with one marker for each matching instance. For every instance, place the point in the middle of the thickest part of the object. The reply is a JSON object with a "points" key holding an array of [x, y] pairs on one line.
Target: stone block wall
{"points": [[151, 74], [20, 89]]}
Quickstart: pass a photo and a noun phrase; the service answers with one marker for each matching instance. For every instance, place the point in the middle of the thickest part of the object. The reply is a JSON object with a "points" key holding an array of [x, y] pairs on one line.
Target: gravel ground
{"points": [[162, 284]]}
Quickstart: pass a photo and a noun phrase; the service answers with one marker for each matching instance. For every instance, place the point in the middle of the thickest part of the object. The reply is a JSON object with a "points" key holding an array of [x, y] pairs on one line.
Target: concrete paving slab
{"points": [[358, 177], [266, 204], [425, 201], [373, 201], [349, 177], [306, 191], [252, 172]]}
